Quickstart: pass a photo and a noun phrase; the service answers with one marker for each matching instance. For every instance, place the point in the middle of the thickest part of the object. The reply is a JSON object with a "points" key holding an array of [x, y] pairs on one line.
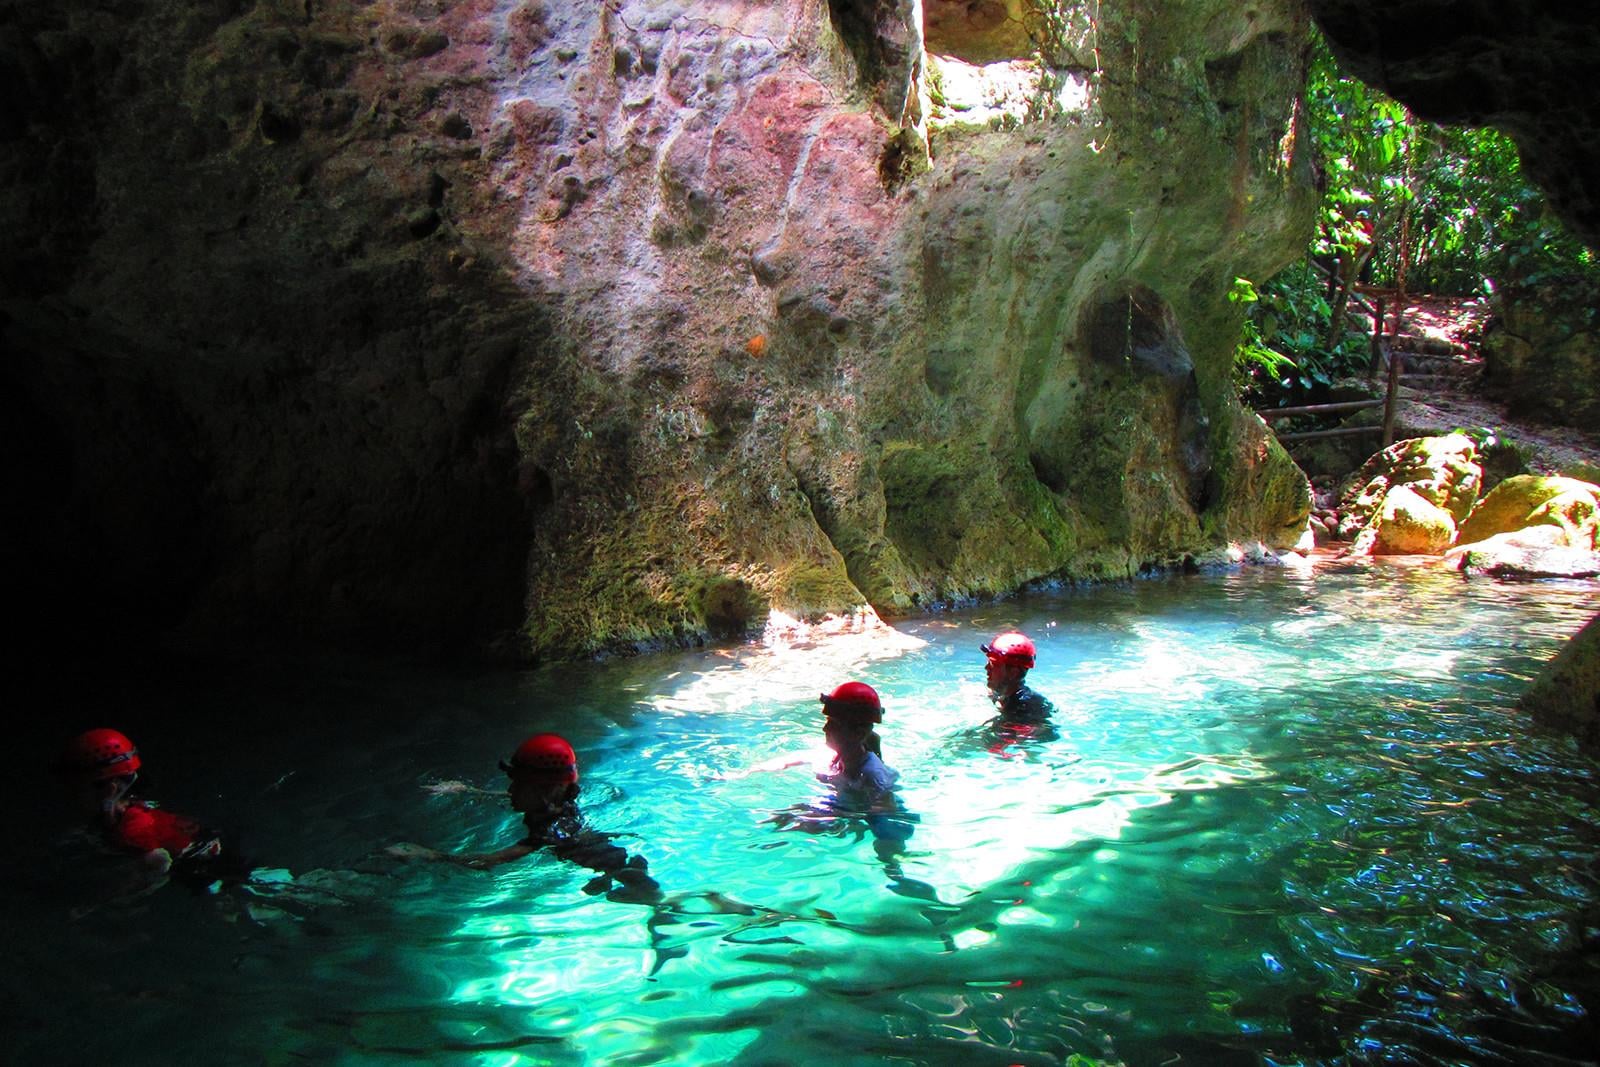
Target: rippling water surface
{"points": [[1278, 819]]}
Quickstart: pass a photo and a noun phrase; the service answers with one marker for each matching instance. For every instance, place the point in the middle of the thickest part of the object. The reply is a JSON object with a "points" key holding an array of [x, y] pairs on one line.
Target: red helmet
{"points": [[100, 754], [544, 754], [1013, 648], [854, 699]]}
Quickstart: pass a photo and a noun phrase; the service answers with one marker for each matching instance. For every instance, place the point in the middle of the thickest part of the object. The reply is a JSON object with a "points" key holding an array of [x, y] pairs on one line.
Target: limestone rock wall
{"points": [[1532, 344], [565, 327]]}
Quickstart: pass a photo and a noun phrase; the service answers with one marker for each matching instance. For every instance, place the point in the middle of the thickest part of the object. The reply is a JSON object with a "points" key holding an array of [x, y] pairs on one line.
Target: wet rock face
{"points": [[1567, 692], [1535, 343], [981, 31], [1526, 68], [593, 326]]}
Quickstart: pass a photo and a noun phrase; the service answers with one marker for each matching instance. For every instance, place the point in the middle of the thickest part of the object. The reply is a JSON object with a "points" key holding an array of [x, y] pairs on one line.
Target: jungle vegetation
{"points": [[1410, 207]]}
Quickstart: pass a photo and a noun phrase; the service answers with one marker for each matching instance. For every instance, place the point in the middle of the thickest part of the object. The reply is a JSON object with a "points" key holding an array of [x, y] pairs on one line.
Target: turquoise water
{"points": [[1281, 818]]}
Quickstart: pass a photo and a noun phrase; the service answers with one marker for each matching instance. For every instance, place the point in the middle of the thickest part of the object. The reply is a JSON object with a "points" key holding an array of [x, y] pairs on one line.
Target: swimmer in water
{"points": [[101, 766], [543, 787], [1010, 657], [861, 784], [1022, 716], [851, 714]]}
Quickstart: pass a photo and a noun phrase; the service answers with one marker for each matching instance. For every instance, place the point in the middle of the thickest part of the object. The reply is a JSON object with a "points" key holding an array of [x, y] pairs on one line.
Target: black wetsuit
{"points": [[566, 837], [1025, 705]]}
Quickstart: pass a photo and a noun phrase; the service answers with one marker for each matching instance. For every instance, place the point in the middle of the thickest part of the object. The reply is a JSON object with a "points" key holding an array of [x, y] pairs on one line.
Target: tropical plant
{"points": [[1408, 206]]}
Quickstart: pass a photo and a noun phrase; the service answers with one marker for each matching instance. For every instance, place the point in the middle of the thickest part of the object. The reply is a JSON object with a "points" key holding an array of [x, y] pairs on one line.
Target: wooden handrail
{"points": [[1388, 399], [1343, 431], [1318, 409], [1387, 404]]}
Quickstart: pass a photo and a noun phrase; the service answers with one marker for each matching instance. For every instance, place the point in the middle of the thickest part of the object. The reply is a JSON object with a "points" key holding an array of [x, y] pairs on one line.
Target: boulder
{"points": [[1410, 524], [1527, 500], [1442, 472], [1566, 694], [1529, 553]]}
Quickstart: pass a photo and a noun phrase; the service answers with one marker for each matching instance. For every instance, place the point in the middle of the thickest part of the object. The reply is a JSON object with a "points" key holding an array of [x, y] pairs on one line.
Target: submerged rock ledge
{"points": [[559, 328]]}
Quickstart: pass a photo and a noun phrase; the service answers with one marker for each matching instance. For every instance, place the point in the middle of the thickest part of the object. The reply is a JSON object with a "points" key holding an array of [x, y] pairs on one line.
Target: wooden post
{"points": [[1377, 339], [1388, 400]]}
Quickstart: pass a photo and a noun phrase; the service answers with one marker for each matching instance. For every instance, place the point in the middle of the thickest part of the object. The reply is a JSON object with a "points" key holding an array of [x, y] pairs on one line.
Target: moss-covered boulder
{"points": [[1535, 500], [1513, 556], [1408, 523], [1566, 694], [1442, 472]]}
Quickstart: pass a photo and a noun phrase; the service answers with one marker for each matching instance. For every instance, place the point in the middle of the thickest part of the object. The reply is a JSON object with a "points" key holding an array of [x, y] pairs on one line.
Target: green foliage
{"points": [[1281, 349], [1407, 204], [1478, 224]]}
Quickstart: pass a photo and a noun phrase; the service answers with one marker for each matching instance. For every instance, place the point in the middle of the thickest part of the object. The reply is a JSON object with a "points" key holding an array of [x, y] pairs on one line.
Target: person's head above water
{"points": [[853, 702], [99, 755], [99, 766], [543, 755], [852, 710], [543, 772], [1011, 656]]}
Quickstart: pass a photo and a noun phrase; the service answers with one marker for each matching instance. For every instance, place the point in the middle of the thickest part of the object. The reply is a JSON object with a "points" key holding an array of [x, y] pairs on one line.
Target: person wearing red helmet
{"points": [[861, 784], [101, 766], [851, 754], [1011, 656], [850, 713], [542, 777]]}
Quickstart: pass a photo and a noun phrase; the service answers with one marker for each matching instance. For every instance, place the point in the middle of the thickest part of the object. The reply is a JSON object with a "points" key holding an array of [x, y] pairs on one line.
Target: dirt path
{"points": [[1442, 389]]}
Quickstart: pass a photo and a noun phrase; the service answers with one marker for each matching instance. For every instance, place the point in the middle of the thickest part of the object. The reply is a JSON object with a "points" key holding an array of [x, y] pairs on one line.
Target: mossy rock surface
{"points": [[1442, 470], [1410, 524], [1566, 694], [1536, 500], [400, 345]]}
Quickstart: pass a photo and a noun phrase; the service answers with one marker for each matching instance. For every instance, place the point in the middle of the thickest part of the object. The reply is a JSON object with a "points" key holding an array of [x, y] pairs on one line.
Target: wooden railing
{"points": [[1374, 309]]}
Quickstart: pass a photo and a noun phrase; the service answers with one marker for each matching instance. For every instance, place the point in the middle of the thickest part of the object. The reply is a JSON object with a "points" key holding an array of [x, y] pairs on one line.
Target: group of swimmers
{"points": [[102, 765]]}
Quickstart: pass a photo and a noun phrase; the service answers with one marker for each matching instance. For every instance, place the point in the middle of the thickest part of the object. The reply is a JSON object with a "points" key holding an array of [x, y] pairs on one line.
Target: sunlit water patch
{"points": [[1276, 819]]}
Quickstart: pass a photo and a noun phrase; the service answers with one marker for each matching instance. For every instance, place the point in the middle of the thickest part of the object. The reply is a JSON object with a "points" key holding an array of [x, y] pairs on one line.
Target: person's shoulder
{"points": [[135, 828], [1031, 701], [877, 773], [136, 814]]}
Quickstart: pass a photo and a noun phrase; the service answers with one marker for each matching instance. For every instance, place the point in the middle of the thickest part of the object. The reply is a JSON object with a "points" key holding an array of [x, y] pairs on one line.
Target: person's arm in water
{"points": [[812, 757], [156, 836], [478, 861], [452, 787]]}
